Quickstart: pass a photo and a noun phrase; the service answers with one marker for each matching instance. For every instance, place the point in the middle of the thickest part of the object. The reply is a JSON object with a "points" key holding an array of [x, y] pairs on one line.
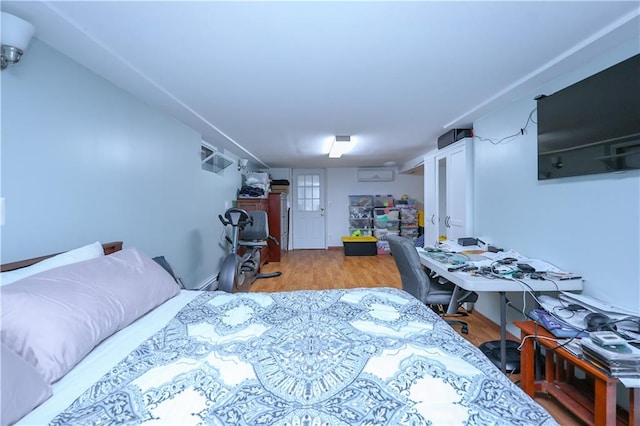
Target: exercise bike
{"points": [[251, 231]]}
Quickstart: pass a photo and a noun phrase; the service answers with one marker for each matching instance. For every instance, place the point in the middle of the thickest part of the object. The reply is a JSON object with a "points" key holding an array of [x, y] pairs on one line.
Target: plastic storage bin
{"points": [[357, 212], [360, 223], [386, 213], [383, 201], [381, 234], [389, 225], [359, 246], [361, 200], [408, 215], [360, 232], [409, 233]]}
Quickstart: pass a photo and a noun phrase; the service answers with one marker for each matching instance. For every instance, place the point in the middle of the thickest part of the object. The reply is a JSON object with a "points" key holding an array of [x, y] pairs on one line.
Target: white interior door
{"points": [[308, 209]]}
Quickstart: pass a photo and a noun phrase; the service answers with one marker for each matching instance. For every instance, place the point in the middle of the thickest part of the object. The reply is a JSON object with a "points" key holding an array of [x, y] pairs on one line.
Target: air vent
{"points": [[375, 175]]}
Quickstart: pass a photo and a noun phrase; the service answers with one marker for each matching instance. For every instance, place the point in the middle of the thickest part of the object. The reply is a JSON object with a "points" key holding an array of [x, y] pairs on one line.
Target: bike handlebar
{"points": [[243, 218]]}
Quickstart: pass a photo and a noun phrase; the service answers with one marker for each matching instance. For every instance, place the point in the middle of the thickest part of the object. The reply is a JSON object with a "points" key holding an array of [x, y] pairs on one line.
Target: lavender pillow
{"points": [[55, 318], [23, 389], [87, 252]]}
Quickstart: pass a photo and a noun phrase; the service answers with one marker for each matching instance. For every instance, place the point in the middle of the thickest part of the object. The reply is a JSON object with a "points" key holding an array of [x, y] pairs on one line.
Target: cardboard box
{"points": [[280, 189], [359, 246]]}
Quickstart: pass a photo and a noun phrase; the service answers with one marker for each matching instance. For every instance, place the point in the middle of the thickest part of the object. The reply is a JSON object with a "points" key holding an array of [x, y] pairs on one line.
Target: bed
{"points": [[322, 357]]}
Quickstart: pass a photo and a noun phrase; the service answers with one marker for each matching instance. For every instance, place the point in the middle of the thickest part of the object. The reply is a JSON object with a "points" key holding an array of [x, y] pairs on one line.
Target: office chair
{"points": [[419, 284]]}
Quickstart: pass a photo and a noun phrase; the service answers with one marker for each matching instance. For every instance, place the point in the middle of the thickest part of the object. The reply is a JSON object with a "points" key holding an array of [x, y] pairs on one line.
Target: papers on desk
{"points": [[446, 257], [617, 314], [454, 247], [598, 305], [477, 256], [557, 308]]}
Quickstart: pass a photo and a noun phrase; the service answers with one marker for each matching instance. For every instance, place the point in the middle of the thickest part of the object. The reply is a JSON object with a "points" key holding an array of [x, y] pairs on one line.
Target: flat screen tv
{"points": [[592, 126]]}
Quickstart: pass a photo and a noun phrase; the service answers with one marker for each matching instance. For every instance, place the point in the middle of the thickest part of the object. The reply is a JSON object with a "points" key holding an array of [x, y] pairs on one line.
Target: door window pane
{"points": [[308, 192]]}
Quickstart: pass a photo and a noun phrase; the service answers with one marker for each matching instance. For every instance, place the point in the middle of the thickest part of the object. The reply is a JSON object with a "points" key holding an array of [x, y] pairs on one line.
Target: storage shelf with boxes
{"points": [[379, 216], [387, 222], [360, 207]]}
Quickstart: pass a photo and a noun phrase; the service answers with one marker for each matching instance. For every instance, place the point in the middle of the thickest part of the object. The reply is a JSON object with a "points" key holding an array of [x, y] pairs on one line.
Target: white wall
{"points": [[589, 225], [83, 160], [342, 182]]}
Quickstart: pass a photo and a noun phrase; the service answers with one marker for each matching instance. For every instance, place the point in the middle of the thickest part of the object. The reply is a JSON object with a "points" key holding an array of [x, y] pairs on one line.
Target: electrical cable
{"points": [[562, 345], [520, 132]]}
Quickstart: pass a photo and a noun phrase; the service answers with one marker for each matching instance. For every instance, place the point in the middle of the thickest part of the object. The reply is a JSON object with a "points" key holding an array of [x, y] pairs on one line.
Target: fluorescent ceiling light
{"points": [[340, 146]]}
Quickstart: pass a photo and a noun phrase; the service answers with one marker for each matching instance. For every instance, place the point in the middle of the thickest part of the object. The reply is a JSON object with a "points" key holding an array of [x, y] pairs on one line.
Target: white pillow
{"points": [[90, 251]]}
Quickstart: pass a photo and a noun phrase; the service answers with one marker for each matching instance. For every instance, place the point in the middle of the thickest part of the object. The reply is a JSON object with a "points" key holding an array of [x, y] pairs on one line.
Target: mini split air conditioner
{"points": [[375, 175]]}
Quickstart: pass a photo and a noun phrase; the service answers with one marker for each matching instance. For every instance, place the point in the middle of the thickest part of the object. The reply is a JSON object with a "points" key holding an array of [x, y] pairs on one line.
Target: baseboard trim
{"points": [[211, 283]]}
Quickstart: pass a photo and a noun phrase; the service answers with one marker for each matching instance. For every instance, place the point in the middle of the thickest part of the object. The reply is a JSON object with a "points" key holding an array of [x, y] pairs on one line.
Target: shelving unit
{"points": [[360, 208], [386, 222], [379, 216], [409, 222]]}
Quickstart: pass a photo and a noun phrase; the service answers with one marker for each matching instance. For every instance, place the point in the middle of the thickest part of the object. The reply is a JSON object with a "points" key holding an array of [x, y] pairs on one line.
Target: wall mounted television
{"points": [[592, 126]]}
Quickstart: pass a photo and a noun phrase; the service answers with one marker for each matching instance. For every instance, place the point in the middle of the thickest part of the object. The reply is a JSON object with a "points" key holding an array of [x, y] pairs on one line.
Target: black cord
{"points": [[520, 132]]}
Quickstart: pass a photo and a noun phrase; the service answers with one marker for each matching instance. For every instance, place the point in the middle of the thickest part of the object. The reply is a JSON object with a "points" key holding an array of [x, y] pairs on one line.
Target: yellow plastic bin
{"points": [[359, 246]]}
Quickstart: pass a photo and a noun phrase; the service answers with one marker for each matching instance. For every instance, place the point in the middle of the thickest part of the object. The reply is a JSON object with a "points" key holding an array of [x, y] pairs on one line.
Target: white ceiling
{"points": [[273, 81]]}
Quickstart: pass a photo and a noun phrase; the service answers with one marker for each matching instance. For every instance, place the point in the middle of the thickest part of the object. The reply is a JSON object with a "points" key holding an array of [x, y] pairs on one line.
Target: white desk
{"points": [[479, 284]]}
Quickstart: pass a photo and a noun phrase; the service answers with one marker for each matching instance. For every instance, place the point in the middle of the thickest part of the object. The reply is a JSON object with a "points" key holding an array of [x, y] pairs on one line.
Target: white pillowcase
{"points": [[90, 251]]}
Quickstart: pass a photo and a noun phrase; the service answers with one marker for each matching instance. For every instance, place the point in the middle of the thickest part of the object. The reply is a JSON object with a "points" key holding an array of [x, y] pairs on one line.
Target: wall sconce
{"points": [[242, 163], [16, 34], [339, 146]]}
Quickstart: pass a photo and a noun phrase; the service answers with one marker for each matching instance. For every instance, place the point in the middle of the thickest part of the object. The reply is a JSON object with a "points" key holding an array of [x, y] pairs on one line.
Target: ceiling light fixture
{"points": [[16, 34], [339, 146]]}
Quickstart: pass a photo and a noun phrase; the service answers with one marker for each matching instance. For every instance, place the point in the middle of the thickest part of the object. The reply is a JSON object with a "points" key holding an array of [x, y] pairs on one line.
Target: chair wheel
{"points": [[464, 329]]}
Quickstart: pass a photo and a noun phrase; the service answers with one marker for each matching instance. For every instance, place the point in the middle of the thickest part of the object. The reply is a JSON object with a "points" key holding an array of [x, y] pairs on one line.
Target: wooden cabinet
{"points": [[448, 192], [276, 207]]}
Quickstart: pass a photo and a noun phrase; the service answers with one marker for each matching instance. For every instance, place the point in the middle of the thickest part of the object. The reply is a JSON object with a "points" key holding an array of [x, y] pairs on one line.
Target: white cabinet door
{"points": [[453, 176], [457, 194], [430, 204]]}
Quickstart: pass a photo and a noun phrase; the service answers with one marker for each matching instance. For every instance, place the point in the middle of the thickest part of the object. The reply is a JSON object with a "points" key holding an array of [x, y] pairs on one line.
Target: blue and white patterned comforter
{"points": [[335, 357]]}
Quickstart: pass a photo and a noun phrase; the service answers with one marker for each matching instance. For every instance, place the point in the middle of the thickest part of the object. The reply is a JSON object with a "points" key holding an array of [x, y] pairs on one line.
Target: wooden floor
{"points": [[330, 269]]}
